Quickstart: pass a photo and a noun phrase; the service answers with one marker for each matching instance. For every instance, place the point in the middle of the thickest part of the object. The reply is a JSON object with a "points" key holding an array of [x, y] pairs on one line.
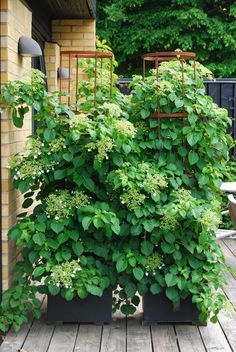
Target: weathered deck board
{"points": [[138, 336], [114, 336], [189, 339], [231, 244], [228, 325], [63, 339], [164, 338], [88, 338], [129, 335], [15, 340], [214, 338], [40, 332]]}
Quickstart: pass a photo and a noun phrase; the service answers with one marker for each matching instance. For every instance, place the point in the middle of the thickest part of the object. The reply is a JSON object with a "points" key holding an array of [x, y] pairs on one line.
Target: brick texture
{"points": [[13, 66], [72, 35]]}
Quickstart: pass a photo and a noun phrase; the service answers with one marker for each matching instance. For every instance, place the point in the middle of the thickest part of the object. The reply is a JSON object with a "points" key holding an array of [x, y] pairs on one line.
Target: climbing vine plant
{"points": [[117, 207]]}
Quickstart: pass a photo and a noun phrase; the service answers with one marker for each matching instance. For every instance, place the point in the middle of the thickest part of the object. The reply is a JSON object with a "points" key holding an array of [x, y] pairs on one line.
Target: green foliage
{"points": [[116, 207], [134, 28]]}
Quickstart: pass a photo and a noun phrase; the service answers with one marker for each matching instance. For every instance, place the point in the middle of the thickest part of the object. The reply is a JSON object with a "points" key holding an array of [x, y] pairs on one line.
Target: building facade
{"points": [[55, 26]]}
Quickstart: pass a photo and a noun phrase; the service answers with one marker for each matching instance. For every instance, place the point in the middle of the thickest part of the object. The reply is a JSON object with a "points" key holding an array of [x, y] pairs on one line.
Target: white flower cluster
{"points": [[125, 127], [113, 109], [63, 274], [79, 121]]}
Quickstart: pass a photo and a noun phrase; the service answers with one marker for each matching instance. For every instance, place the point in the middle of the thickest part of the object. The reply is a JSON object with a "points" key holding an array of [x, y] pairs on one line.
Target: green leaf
{"points": [[68, 156], [27, 203], [194, 263], [117, 159], [53, 289], [145, 113], [163, 101], [24, 186], [74, 235], [127, 309], [126, 148], [121, 265], [146, 247], [57, 226], [182, 151], [18, 121], [203, 180], [193, 157], [49, 134], [66, 254], [193, 138], [52, 243], [69, 295], [172, 293], [155, 288], [38, 271], [179, 103], [14, 233], [142, 288], [170, 237], [78, 248], [63, 237], [138, 273], [33, 257], [88, 183], [170, 280], [59, 174], [167, 248], [132, 261], [39, 238], [130, 289], [94, 290], [40, 226], [82, 292], [86, 222]]}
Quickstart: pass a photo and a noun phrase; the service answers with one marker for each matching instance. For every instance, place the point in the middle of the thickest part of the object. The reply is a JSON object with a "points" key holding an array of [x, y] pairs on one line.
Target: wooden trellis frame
{"points": [[157, 58], [73, 59]]}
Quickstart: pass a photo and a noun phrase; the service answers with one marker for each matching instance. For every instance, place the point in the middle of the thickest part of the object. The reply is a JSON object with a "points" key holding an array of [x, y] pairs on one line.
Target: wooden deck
{"points": [[128, 335]]}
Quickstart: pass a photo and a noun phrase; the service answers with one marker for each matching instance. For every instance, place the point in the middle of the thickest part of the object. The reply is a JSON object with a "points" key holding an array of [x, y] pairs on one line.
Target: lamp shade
{"points": [[29, 47]]}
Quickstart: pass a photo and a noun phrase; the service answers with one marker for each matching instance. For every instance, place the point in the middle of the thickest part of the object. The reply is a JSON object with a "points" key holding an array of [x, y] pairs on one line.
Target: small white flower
{"points": [[146, 274], [56, 217], [58, 285]]}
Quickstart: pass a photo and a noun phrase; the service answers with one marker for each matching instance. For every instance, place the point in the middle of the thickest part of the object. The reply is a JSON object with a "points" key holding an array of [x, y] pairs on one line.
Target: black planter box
{"points": [[159, 309], [92, 309]]}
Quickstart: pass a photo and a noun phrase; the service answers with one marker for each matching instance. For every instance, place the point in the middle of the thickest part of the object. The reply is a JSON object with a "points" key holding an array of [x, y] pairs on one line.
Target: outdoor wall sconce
{"points": [[62, 73], [29, 47]]}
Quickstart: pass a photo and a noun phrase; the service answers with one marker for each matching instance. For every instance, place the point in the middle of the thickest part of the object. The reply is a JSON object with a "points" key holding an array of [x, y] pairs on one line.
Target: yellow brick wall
{"points": [[73, 35], [15, 21], [52, 63]]}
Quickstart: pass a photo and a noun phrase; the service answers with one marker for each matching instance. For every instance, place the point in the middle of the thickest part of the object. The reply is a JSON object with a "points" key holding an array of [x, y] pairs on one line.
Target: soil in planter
{"points": [[92, 309], [159, 309]]}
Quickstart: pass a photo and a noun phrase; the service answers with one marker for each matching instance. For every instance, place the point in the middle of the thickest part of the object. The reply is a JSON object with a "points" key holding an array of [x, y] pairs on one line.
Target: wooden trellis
{"points": [[70, 61], [157, 58]]}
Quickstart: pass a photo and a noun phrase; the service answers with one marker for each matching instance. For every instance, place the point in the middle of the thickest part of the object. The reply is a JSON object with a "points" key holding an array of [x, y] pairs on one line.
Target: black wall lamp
{"points": [[29, 47], [62, 72]]}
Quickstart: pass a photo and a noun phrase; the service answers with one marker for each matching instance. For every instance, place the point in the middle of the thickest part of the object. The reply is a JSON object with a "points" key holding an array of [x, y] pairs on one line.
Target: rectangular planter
{"points": [[92, 309], [159, 309]]}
